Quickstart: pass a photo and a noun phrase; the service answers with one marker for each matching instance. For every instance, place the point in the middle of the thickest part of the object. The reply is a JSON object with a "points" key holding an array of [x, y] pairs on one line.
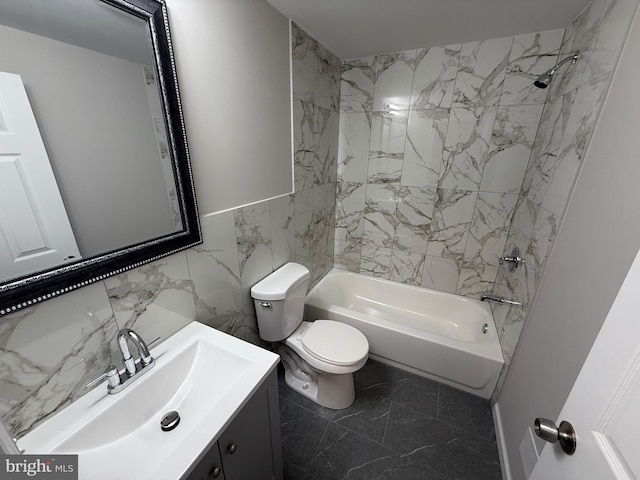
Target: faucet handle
{"points": [[111, 374]]}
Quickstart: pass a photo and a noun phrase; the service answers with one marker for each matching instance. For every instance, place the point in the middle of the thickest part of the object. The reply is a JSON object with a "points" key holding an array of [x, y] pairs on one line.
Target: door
{"points": [[604, 404], [35, 233]]}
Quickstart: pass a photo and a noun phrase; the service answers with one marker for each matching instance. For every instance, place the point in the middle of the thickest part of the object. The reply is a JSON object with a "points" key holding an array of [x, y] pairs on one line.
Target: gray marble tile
{"points": [[413, 218], [347, 455], [327, 80], [394, 76], [156, 300], [246, 328], [598, 33], [565, 131], [514, 131], [303, 60], [545, 229], [466, 146], [448, 450], [327, 126], [283, 232], [468, 412], [350, 210], [367, 415], [253, 239], [531, 55], [293, 472], [301, 433], [48, 355], [375, 261], [490, 227], [357, 80], [303, 208], [215, 271], [476, 278], [384, 168], [380, 214], [434, 76], [424, 147], [406, 267], [420, 394], [481, 72], [347, 255], [584, 111], [546, 146], [452, 215], [386, 148], [441, 273], [305, 149], [353, 146]]}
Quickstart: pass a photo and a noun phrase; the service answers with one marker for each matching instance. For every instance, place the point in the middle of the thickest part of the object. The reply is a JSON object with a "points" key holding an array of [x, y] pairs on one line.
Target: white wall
{"points": [[598, 240], [94, 116], [233, 67]]}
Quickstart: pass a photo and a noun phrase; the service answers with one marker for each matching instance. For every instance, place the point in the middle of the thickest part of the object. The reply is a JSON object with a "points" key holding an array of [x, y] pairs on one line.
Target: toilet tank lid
{"points": [[277, 285]]}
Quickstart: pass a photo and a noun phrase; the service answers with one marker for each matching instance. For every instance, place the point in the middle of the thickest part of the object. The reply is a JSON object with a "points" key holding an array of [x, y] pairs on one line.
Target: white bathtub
{"points": [[434, 334]]}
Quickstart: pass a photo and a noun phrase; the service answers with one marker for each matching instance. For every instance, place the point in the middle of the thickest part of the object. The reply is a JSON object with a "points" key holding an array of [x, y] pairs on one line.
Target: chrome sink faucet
{"points": [[143, 351], [119, 380]]}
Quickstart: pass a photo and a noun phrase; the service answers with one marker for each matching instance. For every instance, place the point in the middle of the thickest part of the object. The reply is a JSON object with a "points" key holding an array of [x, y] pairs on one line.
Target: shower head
{"points": [[544, 80]]}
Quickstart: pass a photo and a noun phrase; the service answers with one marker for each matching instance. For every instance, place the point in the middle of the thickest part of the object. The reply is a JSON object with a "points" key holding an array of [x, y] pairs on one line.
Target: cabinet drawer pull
{"points": [[232, 448], [215, 473]]}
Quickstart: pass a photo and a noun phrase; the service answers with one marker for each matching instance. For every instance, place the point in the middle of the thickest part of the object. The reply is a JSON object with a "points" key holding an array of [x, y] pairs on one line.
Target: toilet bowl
{"points": [[319, 357]]}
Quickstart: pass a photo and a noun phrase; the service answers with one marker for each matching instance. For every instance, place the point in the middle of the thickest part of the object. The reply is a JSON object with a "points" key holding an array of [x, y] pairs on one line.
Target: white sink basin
{"points": [[203, 374]]}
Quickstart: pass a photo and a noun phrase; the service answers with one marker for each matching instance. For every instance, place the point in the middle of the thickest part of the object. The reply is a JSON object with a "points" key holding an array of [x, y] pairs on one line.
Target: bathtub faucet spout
{"points": [[489, 297]]}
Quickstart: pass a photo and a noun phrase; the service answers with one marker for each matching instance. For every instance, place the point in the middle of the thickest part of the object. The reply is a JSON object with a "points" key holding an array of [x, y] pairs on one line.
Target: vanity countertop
{"points": [[205, 375]]}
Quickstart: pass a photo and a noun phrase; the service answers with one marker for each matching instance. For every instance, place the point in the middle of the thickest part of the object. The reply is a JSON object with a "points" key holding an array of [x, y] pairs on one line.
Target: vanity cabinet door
{"points": [[246, 445], [249, 449], [210, 467]]}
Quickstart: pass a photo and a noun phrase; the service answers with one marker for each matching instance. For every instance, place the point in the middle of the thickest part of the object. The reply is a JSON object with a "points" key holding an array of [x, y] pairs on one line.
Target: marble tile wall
{"points": [[49, 352], [434, 145], [569, 117]]}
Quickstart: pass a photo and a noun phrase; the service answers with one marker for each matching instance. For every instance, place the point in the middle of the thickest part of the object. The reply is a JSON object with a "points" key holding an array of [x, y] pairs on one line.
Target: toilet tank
{"points": [[279, 301]]}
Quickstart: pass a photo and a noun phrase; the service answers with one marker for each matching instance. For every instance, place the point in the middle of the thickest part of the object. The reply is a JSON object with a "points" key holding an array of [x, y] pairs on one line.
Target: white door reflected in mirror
{"points": [[35, 232]]}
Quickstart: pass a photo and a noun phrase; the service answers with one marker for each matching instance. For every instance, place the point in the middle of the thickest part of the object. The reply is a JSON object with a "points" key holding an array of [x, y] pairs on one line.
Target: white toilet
{"points": [[319, 357]]}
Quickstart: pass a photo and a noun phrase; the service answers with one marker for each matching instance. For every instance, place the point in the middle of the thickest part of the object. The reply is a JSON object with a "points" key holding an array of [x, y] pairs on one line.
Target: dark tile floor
{"points": [[400, 427]]}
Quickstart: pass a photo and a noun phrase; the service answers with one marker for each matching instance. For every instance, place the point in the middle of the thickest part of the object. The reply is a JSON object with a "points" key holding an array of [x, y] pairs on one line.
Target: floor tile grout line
{"points": [[315, 452], [386, 424]]}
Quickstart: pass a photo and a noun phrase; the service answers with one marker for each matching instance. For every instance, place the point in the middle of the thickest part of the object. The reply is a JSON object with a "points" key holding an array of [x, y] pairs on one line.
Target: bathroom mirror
{"points": [[95, 176]]}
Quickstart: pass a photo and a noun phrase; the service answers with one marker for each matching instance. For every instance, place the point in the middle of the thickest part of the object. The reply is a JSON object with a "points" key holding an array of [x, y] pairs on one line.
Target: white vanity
{"points": [[225, 393]]}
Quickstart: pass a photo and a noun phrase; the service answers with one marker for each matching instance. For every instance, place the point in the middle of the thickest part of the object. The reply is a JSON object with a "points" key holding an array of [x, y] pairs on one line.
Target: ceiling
{"points": [[359, 28]]}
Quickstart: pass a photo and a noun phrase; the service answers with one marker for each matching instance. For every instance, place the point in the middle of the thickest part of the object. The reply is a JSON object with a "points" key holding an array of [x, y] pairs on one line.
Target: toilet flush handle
{"points": [[265, 304]]}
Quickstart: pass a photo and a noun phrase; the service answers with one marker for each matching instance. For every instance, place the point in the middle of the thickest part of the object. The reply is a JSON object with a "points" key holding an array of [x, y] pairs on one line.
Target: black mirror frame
{"points": [[29, 290]]}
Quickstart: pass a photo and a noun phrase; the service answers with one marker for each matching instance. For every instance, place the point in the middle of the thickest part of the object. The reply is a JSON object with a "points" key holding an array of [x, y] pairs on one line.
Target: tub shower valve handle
{"points": [[514, 260]]}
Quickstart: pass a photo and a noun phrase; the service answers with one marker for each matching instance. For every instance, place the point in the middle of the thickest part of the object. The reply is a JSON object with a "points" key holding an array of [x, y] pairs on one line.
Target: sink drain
{"points": [[170, 421]]}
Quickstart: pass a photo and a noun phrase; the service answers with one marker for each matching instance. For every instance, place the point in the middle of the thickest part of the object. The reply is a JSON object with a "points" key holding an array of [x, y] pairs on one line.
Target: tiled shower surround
{"points": [[434, 182], [434, 144], [569, 118]]}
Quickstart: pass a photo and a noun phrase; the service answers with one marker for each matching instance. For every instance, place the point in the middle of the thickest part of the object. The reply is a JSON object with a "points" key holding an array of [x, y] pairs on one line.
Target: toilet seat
{"points": [[335, 343], [330, 346]]}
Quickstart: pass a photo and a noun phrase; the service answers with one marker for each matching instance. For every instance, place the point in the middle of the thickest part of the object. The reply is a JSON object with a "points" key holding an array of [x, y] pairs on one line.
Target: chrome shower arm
{"points": [[573, 58]]}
